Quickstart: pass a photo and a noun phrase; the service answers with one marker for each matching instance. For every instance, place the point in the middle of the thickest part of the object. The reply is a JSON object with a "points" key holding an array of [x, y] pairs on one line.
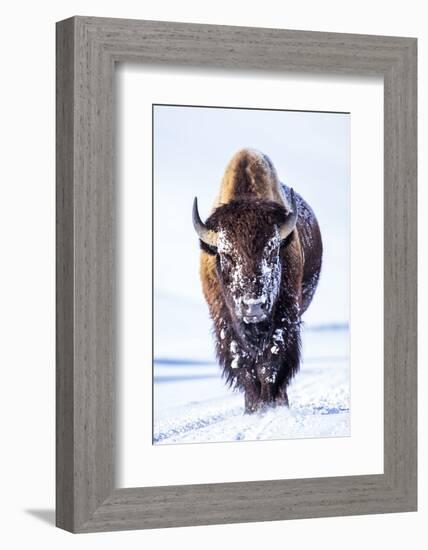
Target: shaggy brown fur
{"points": [[259, 358]]}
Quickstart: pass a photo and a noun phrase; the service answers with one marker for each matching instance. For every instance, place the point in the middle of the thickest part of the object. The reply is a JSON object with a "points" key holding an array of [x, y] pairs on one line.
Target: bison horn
{"points": [[290, 223], [207, 236]]}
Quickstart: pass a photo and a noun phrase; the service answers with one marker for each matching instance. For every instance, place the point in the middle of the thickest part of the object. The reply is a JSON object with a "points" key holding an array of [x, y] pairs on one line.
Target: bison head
{"points": [[246, 237]]}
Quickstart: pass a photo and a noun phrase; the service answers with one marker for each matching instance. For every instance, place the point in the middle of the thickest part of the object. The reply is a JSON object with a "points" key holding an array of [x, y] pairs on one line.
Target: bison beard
{"points": [[264, 361], [260, 265]]}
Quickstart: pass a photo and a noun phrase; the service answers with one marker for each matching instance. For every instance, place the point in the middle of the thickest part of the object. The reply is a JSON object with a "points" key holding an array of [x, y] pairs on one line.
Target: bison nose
{"points": [[254, 308]]}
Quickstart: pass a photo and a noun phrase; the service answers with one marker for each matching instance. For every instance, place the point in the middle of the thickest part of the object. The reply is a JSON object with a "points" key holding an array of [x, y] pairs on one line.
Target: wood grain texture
{"points": [[87, 49], [64, 277]]}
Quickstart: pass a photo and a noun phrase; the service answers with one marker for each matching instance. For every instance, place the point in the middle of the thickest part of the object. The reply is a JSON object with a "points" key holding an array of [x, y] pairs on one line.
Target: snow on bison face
{"points": [[250, 278], [246, 235]]}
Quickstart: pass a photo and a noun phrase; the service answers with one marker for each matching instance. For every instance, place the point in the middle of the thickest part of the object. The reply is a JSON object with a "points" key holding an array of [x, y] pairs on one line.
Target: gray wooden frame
{"points": [[87, 50]]}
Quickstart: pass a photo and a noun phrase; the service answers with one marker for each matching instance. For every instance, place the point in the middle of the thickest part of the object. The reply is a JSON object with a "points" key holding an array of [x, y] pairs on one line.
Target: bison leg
{"points": [[267, 394], [251, 387], [282, 396], [251, 401], [267, 377]]}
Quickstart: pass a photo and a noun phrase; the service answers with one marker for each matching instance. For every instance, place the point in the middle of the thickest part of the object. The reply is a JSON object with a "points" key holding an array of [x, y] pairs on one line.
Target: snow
{"points": [[235, 362], [193, 405]]}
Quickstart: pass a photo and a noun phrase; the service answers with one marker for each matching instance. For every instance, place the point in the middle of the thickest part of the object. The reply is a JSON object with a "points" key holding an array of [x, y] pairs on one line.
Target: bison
{"points": [[261, 253]]}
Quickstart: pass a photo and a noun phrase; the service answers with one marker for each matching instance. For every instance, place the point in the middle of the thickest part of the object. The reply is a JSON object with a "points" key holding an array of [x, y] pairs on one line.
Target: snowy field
{"points": [[193, 405]]}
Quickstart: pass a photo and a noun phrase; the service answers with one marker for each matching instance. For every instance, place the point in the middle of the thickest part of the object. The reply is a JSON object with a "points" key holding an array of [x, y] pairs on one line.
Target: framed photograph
{"points": [[236, 274]]}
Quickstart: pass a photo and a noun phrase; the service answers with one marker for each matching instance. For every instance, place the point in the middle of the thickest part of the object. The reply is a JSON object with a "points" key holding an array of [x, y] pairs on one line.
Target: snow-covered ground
{"points": [[193, 405]]}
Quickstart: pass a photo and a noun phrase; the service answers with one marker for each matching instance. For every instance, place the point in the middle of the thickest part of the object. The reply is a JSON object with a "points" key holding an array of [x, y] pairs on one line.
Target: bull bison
{"points": [[261, 253]]}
